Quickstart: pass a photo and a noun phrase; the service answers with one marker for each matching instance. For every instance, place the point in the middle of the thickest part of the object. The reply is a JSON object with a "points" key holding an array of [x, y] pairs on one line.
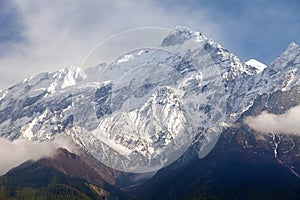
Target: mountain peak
{"points": [[292, 50], [180, 35], [293, 44], [259, 66], [182, 29], [291, 53]]}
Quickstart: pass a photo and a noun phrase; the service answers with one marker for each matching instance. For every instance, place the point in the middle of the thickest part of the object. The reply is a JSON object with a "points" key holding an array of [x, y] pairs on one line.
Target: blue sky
{"points": [[258, 28], [38, 36]]}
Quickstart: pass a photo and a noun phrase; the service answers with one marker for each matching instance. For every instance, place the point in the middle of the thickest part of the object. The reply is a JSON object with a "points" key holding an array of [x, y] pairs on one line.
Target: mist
{"points": [[286, 123], [13, 153]]}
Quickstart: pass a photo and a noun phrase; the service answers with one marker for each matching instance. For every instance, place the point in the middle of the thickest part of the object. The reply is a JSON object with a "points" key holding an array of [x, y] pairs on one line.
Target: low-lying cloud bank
{"points": [[287, 123], [13, 153]]}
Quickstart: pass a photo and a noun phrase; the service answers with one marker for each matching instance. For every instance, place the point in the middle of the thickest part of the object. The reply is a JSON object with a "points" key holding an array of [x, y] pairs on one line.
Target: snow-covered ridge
{"points": [[282, 74], [134, 112], [40, 107]]}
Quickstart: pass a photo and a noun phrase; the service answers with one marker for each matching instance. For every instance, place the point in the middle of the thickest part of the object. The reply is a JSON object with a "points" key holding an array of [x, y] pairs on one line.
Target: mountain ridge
{"points": [[74, 101]]}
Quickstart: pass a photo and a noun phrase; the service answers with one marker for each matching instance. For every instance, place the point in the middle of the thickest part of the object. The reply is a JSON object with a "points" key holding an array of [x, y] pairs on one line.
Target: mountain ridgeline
{"points": [[158, 123]]}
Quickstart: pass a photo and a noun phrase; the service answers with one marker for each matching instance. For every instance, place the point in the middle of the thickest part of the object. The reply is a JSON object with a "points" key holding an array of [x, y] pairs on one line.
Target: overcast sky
{"points": [[46, 35]]}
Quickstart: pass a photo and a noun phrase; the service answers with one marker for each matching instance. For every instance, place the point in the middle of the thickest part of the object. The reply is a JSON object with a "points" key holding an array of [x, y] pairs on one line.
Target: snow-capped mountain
{"points": [[282, 74], [143, 110], [257, 64]]}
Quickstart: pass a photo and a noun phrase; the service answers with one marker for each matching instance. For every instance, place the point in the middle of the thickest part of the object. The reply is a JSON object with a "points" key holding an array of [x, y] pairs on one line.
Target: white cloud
{"points": [[60, 33], [13, 153], [287, 123]]}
